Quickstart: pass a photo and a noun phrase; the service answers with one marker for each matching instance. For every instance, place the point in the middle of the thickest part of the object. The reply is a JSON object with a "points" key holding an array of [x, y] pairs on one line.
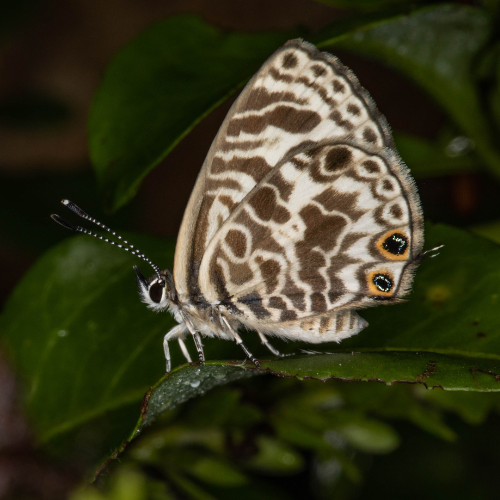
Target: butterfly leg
{"points": [[199, 347], [197, 341], [184, 350], [270, 346], [239, 342], [249, 355], [176, 330]]}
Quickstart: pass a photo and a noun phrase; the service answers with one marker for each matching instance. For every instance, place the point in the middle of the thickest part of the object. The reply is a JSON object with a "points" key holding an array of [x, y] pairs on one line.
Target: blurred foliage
{"points": [[242, 441], [88, 350]]}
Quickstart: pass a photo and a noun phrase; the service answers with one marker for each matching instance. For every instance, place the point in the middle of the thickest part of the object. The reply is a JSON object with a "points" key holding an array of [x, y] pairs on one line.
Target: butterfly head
{"points": [[157, 292]]}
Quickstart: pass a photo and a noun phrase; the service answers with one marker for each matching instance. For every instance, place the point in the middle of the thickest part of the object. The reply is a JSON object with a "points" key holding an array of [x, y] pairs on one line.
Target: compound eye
{"points": [[156, 292]]}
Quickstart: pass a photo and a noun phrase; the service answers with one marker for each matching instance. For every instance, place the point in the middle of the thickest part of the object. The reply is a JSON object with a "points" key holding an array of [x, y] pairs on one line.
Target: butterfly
{"points": [[302, 214]]}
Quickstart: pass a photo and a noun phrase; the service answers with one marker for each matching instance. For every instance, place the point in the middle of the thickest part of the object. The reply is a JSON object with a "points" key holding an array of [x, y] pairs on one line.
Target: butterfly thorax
{"points": [[160, 294], [207, 319]]}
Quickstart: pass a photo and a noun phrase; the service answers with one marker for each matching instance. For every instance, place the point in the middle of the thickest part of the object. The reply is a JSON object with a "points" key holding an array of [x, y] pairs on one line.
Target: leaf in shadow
{"points": [[437, 48], [158, 88], [79, 335], [431, 159]]}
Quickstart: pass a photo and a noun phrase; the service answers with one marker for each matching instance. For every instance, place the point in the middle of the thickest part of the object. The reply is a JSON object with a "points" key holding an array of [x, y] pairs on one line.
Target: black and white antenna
{"points": [[129, 248]]}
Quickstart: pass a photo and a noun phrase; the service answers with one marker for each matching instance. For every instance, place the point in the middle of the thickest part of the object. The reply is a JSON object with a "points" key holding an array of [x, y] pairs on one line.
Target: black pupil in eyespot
{"points": [[155, 293], [383, 282], [396, 244]]}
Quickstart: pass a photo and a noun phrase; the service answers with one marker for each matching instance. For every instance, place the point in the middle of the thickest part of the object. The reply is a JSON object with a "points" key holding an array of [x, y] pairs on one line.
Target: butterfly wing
{"points": [[299, 193], [286, 104], [328, 229]]}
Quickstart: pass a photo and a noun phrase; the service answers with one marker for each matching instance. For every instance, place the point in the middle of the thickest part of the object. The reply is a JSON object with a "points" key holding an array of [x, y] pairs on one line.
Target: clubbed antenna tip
{"points": [[64, 222]]}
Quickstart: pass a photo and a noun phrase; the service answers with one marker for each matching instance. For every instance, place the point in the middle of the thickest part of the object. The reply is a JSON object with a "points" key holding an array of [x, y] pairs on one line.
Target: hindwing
{"points": [[329, 228]]}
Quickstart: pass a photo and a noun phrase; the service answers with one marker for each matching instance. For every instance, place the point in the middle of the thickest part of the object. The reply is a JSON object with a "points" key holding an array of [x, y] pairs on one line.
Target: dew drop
{"points": [[459, 146]]}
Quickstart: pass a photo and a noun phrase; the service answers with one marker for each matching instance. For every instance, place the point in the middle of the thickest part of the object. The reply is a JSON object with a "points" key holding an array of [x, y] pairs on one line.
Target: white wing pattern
{"points": [[303, 209]]}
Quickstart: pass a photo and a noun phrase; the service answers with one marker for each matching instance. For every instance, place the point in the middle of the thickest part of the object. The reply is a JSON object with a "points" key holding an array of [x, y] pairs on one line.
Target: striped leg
{"points": [[239, 342], [197, 342], [199, 348]]}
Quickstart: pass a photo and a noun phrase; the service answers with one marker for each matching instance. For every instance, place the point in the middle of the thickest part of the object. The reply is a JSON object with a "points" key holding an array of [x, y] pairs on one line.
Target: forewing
{"points": [[331, 228], [299, 98]]}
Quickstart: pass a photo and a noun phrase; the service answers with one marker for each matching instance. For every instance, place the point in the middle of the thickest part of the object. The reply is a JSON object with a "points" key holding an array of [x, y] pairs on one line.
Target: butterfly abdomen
{"points": [[317, 329]]}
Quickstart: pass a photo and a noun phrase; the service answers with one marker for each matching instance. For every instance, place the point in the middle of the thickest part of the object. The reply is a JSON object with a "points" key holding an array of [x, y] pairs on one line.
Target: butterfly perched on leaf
{"points": [[303, 213]]}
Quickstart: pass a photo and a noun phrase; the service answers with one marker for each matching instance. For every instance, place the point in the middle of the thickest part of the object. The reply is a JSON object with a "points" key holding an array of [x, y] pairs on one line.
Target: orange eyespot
{"points": [[394, 245], [381, 283]]}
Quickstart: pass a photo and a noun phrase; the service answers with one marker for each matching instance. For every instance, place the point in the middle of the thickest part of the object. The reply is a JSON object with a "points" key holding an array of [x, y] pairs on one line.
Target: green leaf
{"points": [[217, 472], [428, 159], [435, 47], [185, 382], [275, 457], [158, 87], [449, 372], [369, 435], [490, 230], [82, 341], [434, 370]]}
